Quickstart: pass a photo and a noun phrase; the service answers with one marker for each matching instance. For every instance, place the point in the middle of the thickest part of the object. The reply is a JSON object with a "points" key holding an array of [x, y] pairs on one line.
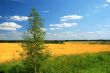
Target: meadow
{"points": [[67, 57], [83, 63], [11, 51]]}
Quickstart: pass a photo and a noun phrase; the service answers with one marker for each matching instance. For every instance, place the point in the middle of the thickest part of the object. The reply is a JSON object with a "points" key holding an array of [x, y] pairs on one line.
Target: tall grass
{"points": [[84, 63], [12, 67]]}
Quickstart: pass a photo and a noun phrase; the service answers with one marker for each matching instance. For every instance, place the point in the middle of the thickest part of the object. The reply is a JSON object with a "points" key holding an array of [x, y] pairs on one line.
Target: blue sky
{"points": [[63, 19]]}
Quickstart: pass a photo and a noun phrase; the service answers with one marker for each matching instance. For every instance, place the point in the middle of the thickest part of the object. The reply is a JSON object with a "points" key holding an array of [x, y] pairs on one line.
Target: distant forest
{"points": [[58, 41]]}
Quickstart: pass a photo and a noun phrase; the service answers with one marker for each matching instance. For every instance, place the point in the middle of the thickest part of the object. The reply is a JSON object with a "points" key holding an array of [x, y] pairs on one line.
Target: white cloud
{"points": [[108, 1], [63, 25], [70, 17], [102, 32], [45, 11], [55, 28], [13, 34], [19, 18], [9, 26], [60, 36], [70, 35], [105, 5]]}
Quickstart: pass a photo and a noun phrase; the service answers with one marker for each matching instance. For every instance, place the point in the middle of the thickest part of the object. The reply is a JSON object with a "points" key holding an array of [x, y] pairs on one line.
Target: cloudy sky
{"points": [[64, 19]]}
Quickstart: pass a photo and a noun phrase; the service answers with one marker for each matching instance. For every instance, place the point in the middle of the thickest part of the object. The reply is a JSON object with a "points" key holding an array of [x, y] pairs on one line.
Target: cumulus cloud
{"points": [[45, 11], [9, 26], [55, 28], [108, 1], [70, 17], [19, 18], [63, 25]]}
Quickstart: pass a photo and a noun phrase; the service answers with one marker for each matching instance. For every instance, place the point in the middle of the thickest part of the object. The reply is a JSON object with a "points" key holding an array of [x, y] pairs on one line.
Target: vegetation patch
{"points": [[83, 63]]}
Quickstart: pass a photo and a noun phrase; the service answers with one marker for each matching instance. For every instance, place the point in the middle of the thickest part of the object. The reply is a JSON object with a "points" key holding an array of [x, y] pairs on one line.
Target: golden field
{"points": [[10, 51]]}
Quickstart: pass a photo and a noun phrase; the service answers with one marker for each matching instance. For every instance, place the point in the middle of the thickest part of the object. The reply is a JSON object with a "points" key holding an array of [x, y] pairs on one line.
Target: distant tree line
{"points": [[59, 41], [20, 41]]}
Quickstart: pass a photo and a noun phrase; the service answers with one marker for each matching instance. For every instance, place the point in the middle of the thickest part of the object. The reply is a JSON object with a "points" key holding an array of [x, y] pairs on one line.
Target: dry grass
{"points": [[9, 51]]}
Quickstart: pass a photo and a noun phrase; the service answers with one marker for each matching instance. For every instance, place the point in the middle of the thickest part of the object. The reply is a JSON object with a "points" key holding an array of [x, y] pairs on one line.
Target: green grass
{"points": [[12, 67], [84, 63]]}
